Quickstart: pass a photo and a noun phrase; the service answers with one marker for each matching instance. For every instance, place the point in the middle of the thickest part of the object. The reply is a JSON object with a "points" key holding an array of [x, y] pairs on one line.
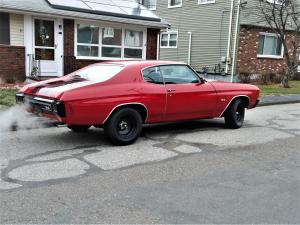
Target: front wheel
{"points": [[235, 115], [124, 127]]}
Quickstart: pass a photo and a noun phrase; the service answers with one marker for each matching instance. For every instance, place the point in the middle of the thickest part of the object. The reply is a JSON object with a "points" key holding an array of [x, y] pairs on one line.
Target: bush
{"points": [[244, 77], [8, 79], [271, 78]]}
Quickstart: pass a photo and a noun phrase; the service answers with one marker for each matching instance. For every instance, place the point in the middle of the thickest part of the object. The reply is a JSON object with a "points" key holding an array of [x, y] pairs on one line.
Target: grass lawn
{"points": [[275, 89], [7, 96]]}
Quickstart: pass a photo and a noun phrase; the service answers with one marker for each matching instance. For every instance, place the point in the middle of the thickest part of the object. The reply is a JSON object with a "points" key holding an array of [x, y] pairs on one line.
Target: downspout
{"points": [[235, 40], [158, 46], [229, 36], [190, 47]]}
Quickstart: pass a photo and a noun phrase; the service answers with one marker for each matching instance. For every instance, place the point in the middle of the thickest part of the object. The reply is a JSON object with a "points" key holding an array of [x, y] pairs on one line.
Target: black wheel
{"points": [[124, 127], [235, 114], [79, 128]]}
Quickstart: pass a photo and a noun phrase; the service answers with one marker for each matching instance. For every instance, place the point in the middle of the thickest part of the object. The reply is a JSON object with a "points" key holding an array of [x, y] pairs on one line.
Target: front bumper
{"points": [[256, 103], [39, 105]]}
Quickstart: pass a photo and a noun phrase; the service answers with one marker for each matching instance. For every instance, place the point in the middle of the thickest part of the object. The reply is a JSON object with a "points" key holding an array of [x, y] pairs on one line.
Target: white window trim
{"points": [[100, 45], [174, 6], [169, 32], [270, 56], [207, 2], [153, 8]]}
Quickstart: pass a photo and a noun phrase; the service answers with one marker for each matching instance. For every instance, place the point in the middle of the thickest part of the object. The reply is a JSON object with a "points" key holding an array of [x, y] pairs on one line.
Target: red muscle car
{"points": [[121, 96]]}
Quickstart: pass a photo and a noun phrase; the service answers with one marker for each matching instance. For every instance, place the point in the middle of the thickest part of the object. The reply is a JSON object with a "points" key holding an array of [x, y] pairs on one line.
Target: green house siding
{"points": [[209, 24]]}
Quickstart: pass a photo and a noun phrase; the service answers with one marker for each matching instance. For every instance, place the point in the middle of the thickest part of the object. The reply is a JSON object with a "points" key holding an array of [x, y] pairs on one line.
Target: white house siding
{"points": [[16, 29]]}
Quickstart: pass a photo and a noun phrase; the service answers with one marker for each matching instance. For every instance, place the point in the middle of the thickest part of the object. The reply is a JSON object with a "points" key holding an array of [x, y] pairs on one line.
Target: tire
{"points": [[79, 128], [124, 127], [235, 115]]}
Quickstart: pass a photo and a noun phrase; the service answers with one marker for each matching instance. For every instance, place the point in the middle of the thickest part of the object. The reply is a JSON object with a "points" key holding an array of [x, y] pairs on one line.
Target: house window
{"points": [[174, 3], [269, 46], [277, 2], [4, 29], [133, 44], [87, 40], [150, 4], [109, 42], [169, 39], [206, 1]]}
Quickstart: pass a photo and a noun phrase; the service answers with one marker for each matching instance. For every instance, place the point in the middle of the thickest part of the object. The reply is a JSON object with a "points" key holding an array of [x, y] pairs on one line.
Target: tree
{"points": [[283, 18]]}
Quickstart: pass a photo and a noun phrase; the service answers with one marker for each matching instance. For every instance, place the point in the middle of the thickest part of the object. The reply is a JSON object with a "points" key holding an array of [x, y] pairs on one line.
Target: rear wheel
{"points": [[79, 128], [124, 127], [235, 114]]}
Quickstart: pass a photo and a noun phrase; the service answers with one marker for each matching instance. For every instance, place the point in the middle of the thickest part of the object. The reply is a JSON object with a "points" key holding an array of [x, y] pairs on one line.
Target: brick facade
{"points": [[12, 63], [248, 62], [71, 63]]}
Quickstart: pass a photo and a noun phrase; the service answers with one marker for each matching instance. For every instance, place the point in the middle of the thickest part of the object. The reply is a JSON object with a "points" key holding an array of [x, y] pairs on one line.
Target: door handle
{"points": [[171, 90]]}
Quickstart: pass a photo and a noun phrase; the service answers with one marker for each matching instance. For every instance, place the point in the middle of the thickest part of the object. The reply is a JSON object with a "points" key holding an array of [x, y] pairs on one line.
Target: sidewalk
{"points": [[276, 100]]}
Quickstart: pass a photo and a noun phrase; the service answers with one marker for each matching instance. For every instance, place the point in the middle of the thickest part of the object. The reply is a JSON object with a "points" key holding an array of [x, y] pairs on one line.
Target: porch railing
{"points": [[34, 66]]}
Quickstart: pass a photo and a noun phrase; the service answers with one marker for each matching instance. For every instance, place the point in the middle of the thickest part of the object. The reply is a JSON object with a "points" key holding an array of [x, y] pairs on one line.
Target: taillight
{"points": [[59, 108]]}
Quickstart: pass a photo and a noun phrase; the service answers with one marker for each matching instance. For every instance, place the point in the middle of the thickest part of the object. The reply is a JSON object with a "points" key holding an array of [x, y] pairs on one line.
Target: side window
{"points": [[153, 75], [178, 74]]}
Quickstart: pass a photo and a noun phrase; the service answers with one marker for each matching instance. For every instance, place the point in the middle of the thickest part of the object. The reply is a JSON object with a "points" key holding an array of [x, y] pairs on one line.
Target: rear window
{"points": [[98, 73]]}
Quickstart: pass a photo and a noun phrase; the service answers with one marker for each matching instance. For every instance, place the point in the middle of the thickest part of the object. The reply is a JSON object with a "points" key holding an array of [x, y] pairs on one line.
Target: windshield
{"points": [[98, 73]]}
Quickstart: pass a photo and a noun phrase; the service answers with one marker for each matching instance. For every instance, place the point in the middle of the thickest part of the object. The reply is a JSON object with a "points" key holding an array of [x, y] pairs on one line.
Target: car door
{"points": [[154, 94], [188, 97]]}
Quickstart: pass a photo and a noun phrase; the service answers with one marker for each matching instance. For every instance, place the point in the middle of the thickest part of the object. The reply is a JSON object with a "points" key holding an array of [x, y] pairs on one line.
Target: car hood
{"points": [[227, 86], [55, 88]]}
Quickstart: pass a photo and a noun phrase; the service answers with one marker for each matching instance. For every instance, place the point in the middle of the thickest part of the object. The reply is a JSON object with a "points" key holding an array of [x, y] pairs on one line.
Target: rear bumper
{"points": [[51, 108]]}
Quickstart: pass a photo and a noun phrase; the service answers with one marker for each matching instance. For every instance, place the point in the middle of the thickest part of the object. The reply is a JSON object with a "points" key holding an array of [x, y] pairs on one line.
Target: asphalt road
{"points": [[195, 172]]}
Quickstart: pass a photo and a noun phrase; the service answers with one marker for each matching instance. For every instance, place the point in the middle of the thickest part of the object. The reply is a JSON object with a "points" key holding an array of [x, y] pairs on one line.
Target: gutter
{"points": [[229, 36], [235, 40], [64, 15]]}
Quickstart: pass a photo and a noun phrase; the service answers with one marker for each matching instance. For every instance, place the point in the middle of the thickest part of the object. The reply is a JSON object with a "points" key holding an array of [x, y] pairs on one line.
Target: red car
{"points": [[121, 96]]}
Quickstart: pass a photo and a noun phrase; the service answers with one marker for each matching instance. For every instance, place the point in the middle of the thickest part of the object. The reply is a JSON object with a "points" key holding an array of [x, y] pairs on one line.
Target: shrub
{"points": [[244, 77]]}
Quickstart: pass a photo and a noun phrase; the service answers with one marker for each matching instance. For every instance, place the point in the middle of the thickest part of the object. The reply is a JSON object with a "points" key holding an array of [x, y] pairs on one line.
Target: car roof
{"points": [[142, 63]]}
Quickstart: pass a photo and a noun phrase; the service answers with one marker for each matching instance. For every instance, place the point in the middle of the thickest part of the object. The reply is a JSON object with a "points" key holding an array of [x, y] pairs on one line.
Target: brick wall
{"points": [[247, 54], [70, 62], [12, 63]]}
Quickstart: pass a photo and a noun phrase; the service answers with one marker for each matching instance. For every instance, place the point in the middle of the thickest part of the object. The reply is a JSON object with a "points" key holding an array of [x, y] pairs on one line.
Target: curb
{"points": [[279, 100]]}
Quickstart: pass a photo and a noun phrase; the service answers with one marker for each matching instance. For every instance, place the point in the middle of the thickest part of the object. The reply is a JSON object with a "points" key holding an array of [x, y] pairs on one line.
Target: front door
{"points": [[48, 45], [187, 96]]}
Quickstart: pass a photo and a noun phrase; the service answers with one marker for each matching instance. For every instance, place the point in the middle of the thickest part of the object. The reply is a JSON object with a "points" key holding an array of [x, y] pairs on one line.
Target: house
{"points": [[49, 38], [204, 33]]}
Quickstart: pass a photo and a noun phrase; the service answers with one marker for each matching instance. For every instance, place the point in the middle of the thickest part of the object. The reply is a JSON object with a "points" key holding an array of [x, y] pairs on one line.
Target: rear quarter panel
{"points": [[92, 105]]}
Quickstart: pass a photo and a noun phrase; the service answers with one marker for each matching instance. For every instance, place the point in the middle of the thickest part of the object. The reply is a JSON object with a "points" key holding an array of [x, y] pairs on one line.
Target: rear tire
{"points": [[235, 115], [79, 128], [124, 127]]}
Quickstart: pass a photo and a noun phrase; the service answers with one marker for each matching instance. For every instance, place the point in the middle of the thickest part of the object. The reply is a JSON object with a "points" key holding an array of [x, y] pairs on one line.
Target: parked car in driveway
{"points": [[121, 96]]}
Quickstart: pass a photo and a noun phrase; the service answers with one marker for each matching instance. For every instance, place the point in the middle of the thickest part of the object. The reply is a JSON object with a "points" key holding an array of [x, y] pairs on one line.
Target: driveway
{"points": [[192, 172]]}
